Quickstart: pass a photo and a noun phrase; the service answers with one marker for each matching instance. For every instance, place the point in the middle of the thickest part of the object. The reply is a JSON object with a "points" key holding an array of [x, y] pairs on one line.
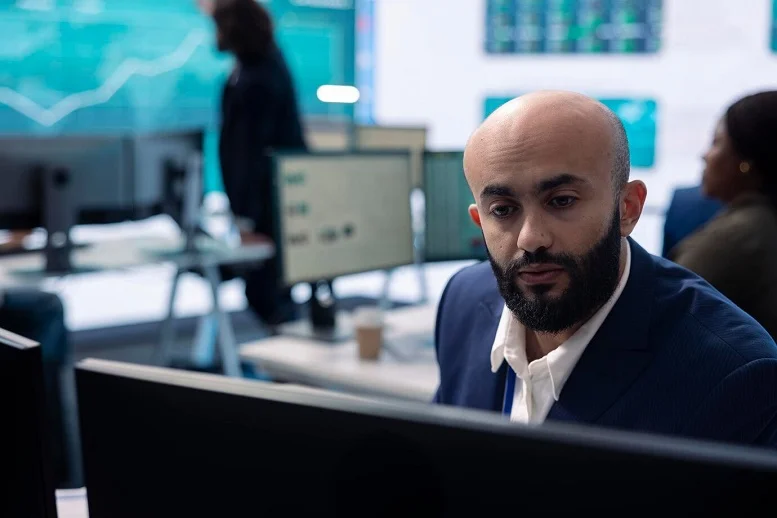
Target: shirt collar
{"points": [[511, 334]]}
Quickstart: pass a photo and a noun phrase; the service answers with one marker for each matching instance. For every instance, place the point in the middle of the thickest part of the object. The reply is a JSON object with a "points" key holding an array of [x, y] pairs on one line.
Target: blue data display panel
{"points": [[573, 26], [639, 117], [122, 66]]}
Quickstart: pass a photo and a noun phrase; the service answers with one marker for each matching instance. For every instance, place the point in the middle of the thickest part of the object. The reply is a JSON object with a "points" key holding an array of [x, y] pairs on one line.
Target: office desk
{"points": [[403, 371], [28, 271]]}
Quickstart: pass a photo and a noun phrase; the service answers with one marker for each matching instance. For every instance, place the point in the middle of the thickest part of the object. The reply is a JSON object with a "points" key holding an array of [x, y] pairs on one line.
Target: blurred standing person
{"points": [[259, 113], [736, 251]]}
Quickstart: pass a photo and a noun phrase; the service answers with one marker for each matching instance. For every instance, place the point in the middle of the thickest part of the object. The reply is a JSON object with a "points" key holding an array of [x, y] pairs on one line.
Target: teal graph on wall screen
{"points": [[129, 66], [639, 117]]}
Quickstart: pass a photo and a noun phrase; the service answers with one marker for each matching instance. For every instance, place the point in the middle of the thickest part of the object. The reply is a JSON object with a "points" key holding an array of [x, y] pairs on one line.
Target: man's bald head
{"points": [[549, 172], [541, 113]]}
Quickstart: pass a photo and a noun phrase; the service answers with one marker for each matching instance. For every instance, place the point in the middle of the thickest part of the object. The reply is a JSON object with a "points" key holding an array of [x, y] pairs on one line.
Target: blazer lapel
{"points": [[618, 352], [485, 389]]}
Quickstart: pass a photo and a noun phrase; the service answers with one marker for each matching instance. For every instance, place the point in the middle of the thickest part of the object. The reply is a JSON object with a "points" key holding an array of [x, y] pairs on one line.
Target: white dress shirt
{"points": [[538, 384]]}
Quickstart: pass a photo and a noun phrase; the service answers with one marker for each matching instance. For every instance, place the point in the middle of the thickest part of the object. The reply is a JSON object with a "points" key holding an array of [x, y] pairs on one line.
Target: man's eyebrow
{"points": [[558, 181], [505, 191], [497, 191]]}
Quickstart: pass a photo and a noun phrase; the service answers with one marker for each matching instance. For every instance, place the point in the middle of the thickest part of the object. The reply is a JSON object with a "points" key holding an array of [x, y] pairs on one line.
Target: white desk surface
{"points": [[337, 366], [71, 503]]}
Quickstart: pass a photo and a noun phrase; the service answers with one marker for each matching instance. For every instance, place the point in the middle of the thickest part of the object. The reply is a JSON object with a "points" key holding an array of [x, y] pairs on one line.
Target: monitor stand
{"points": [[325, 323], [59, 217], [341, 331]]}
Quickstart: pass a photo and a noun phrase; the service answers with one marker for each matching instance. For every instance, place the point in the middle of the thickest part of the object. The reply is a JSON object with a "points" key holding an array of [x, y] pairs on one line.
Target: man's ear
{"points": [[631, 203], [475, 215]]}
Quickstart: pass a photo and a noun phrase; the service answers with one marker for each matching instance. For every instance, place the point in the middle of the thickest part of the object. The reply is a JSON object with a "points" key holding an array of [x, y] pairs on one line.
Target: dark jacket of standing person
{"points": [[259, 114], [259, 110], [736, 251]]}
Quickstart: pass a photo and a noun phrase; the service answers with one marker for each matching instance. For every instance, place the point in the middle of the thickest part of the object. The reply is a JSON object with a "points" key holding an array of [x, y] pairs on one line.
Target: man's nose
{"points": [[534, 235]]}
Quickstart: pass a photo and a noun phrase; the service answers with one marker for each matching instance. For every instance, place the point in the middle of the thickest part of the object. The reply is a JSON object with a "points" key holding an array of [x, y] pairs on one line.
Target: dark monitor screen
{"points": [[112, 178], [25, 456], [342, 213], [167, 443], [450, 233]]}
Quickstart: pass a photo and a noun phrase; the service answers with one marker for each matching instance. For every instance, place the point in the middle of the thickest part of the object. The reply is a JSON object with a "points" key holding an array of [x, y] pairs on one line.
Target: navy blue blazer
{"points": [[674, 356], [688, 211]]}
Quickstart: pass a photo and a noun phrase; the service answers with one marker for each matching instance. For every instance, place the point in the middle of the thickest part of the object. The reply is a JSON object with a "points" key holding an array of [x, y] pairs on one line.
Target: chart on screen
{"points": [[102, 66]]}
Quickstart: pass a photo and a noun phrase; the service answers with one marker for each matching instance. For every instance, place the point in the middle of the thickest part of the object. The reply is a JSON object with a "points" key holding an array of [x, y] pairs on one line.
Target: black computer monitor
{"points": [[110, 178], [450, 234], [58, 182], [167, 443], [26, 462]]}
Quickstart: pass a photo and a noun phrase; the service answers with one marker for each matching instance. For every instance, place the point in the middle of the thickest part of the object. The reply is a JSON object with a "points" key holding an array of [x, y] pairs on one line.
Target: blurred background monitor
{"points": [[144, 428], [342, 213], [323, 136], [392, 138], [450, 234], [110, 178], [29, 477]]}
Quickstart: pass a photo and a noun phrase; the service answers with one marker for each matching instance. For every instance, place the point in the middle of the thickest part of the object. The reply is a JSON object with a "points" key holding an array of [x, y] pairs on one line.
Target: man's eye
{"points": [[502, 211], [562, 202]]}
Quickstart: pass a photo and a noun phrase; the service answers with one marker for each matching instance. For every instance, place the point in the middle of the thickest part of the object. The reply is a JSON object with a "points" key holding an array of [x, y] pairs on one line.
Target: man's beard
{"points": [[592, 281]]}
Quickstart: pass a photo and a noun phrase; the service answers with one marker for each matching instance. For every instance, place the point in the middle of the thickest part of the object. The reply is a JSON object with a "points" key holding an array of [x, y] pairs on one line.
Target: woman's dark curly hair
{"points": [[751, 124], [245, 27]]}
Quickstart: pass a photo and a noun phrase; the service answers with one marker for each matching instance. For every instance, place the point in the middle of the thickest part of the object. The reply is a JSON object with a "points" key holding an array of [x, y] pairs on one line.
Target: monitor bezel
{"points": [[601, 438]]}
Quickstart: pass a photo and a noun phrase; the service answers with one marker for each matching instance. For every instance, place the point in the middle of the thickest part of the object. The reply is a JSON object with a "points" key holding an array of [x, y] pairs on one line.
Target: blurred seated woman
{"points": [[736, 251]]}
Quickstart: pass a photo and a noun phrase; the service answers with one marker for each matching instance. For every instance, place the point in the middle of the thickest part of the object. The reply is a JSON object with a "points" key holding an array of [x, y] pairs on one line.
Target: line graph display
{"points": [[639, 118], [106, 91], [107, 66], [573, 26]]}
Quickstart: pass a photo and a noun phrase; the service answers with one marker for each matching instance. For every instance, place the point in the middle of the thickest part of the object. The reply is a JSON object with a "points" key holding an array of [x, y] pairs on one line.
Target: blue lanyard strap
{"points": [[507, 407]]}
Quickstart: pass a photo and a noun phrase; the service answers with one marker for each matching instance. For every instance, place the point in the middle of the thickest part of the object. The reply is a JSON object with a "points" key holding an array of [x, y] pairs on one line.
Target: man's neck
{"points": [[540, 344]]}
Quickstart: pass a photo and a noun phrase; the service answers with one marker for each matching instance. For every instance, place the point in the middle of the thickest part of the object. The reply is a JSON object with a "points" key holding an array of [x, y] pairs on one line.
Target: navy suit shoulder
{"points": [[688, 301], [713, 366], [674, 356]]}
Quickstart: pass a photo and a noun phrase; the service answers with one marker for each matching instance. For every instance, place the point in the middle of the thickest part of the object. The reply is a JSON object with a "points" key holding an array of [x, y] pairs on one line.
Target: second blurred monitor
{"points": [[394, 137], [328, 136], [450, 233]]}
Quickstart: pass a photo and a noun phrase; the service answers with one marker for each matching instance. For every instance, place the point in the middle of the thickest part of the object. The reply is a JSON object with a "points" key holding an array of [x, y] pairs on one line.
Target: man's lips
{"points": [[541, 274]]}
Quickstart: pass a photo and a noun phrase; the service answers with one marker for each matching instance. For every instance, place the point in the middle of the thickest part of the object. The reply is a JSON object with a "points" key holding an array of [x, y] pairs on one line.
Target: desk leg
{"points": [[418, 259], [424, 298], [167, 338], [227, 341], [205, 340], [385, 301]]}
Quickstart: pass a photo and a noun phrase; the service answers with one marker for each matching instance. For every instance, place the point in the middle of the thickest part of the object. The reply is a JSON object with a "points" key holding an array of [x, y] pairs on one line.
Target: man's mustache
{"points": [[540, 257]]}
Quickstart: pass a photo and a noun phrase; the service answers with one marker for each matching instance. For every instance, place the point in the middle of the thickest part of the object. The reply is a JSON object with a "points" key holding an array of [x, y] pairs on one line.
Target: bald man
{"points": [[572, 320]]}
